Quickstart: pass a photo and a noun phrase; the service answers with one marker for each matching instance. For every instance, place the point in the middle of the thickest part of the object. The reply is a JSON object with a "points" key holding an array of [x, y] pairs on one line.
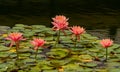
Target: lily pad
{"points": [[72, 68], [4, 54], [3, 48], [114, 70], [35, 69], [19, 25], [91, 64], [38, 26], [85, 58], [58, 53]]}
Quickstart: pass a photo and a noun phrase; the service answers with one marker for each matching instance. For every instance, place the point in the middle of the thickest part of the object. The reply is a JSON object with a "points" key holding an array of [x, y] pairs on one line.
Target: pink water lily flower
{"points": [[15, 37], [37, 42], [106, 43], [77, 31], [60, 22]]}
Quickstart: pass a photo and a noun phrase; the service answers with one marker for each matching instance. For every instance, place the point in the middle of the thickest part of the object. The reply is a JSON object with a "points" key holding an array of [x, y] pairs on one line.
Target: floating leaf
{"points": [[24, 50], [25, 54], [35, 69], [94, 49], [3, 67], [19, 25], [38, 26], [18, 28], [114, 70], [91, 64], [88, 70], [85, 58], [50, 71], [72, 68], [3, 48], [4, 54], [58, 53], [56, 63]]}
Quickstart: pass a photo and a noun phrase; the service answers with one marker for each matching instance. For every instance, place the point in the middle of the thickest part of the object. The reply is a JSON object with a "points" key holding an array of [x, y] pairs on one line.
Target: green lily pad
{"points": [[58, 53], [35, 69], [19, 25], [113, 64], [101, 70], [85, 58], [29, 60], [114, 70], [24, 50], [91, 64], [28, 34], [73, 68], [115, 46], [18, 28], [24, 55], [4, 54], [46, 67], [49, 38], [13, 55], [13, 30], [88, 70], [50, 71], [56, 63], [38, 26], [51, 32], [3, 67], [37, 30], [94, 49], [88, 36], [3, 48]]}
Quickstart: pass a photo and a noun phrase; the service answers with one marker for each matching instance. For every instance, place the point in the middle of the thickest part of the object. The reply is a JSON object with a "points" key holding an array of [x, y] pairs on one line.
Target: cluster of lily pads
{"points": [[60, 53]]}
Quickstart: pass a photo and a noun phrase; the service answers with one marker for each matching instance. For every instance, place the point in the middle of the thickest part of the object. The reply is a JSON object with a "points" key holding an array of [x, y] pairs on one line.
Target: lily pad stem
{"points": [[17, 47], [36, 53], [75, 41], [58, 38], [106, 54]]}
